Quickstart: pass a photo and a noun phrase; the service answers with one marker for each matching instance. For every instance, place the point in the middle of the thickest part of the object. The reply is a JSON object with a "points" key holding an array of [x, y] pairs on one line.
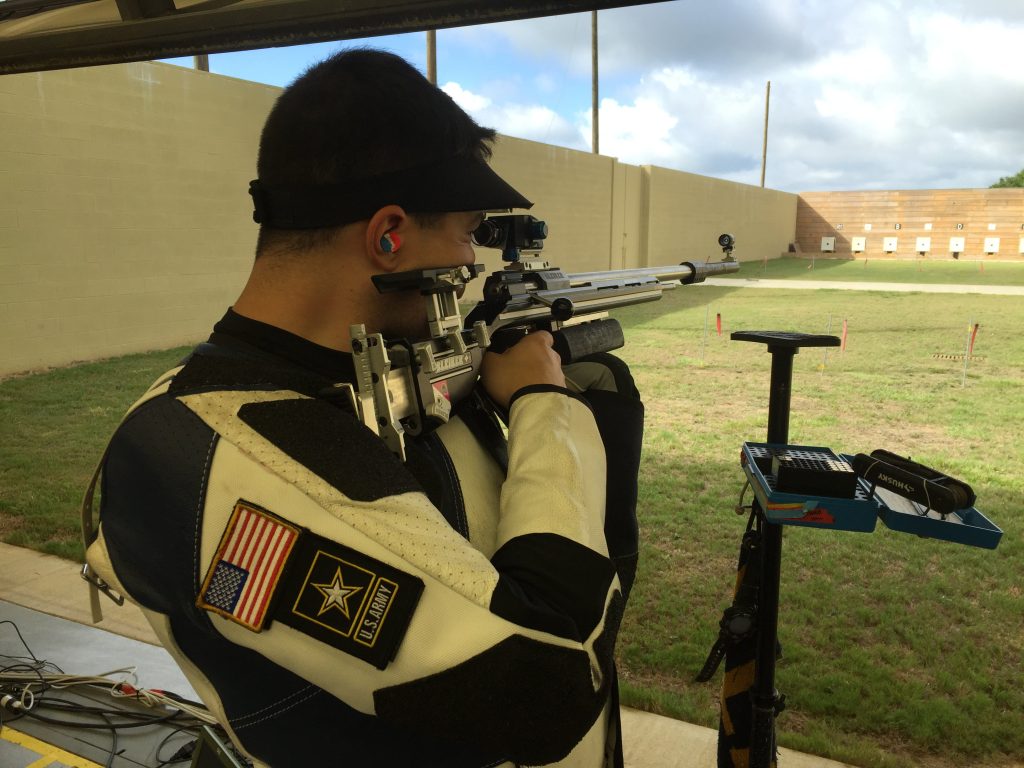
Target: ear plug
{"points": [[390, 243]]}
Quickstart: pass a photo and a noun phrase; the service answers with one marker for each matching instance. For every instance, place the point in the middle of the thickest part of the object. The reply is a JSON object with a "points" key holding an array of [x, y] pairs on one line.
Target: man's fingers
{"points": [[542, 337], [531, 361]]}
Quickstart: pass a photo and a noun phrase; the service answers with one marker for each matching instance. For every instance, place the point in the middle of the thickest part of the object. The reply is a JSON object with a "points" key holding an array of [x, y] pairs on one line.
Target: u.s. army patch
{"points": [[347, 599]]}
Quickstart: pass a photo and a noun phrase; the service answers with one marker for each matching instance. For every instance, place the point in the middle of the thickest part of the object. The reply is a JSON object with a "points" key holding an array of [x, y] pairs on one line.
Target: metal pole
{"points": [[764, 144], [779, 397], [201, 62], [594, 146], [766, 701], [764, 694], [432, 56]]}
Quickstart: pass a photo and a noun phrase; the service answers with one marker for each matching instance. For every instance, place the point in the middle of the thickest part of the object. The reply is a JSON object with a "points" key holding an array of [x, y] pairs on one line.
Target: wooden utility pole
{"points": [[593, 84], [432, 56], [764, 144]]}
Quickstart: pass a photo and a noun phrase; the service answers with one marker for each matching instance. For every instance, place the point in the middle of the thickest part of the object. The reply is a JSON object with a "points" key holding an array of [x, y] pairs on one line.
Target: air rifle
{"points": [[405, 387]]}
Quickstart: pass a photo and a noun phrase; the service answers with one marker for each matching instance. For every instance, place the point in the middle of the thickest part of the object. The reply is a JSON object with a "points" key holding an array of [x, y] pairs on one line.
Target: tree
{"points": [[1011, 181]]}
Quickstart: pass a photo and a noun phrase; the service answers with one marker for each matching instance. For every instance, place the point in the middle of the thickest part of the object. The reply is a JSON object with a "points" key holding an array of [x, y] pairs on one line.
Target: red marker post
{"points": [[972, 333]]}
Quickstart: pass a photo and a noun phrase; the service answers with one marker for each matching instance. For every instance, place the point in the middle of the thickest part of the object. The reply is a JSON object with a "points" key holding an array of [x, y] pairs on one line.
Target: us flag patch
{"points": [[248, 565]]}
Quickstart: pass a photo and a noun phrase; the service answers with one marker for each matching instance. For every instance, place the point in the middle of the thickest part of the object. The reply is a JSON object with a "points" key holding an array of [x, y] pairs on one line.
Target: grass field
{"points": [[899, 651], [886, 270]]}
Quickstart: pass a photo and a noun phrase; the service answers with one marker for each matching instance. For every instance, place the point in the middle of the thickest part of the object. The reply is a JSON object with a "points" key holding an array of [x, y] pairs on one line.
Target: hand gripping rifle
{"points": [[405, 387]]}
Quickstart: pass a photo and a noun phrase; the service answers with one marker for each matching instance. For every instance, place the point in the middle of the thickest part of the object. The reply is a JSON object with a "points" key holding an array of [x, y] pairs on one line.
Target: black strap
{"points": [[739, 621]]}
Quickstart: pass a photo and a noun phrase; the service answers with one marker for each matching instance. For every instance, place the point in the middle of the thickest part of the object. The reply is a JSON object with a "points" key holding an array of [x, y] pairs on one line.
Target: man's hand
{"points": [[531, 361]]}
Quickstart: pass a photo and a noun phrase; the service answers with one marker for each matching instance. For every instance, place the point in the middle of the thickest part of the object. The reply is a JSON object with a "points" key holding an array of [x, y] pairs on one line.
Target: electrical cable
{"points": [[28, 685], [113, 747], [22, 639], [183, 752]]}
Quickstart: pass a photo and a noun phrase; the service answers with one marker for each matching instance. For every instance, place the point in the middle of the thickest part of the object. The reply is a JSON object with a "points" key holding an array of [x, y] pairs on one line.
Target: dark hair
{"points": [[359, 114]]}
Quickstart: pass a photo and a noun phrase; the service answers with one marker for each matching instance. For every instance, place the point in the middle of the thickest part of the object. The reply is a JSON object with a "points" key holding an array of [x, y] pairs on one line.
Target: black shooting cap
{"points": [[460, 183]]}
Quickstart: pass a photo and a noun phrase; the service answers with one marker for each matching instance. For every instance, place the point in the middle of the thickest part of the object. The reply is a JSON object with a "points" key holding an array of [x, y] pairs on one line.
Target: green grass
{"points": [[899, 651], [886, 270], [55, 427]]}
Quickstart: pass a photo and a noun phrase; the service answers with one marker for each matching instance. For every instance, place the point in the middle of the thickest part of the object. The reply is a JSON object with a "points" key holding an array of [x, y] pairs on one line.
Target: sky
{"points": [[865, 94]]}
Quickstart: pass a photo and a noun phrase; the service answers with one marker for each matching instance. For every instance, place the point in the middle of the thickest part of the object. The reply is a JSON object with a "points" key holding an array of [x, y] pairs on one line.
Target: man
{"points": [[330, 603]]}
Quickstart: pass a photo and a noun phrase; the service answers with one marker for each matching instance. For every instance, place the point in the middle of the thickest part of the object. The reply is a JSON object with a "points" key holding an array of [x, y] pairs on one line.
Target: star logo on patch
{"points": [[335, 594]]}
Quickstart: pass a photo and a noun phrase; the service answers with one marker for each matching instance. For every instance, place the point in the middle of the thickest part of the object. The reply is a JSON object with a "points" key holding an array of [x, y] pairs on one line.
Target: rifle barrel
{"points": [[686, 272]]}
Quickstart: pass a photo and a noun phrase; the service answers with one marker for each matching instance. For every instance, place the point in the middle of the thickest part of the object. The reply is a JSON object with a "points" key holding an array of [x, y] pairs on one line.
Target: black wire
{"points": [[101, 714], [182, 700], [85, 708], [113, 747], [21, 665], [38, 667], [161, 762], [41, 687], [18, 632]]}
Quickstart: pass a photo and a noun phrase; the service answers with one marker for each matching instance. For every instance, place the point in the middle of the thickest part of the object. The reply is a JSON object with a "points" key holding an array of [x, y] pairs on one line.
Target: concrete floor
{"points": [[52, 586]]}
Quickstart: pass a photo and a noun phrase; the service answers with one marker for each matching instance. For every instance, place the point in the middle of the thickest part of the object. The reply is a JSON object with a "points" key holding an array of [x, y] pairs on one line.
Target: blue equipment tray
{"points": [[860, 513], [816, 511]]}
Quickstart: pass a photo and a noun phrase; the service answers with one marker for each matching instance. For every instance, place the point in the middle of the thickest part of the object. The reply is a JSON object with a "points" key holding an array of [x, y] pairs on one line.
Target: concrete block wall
{"points": [[976, 215], [571, 190], [686, 213], [125, 223]]}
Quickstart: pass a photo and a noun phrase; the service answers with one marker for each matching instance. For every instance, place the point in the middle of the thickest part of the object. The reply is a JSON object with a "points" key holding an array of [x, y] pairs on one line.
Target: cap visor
{"points": [[473, 186]]}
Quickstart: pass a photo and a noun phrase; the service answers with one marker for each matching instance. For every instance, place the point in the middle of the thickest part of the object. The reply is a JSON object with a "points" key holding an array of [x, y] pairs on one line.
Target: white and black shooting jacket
{"points": [[334, 606]]}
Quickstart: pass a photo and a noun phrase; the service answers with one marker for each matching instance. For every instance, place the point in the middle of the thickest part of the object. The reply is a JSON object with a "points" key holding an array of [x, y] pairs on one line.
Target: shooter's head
{"points": [[361, 131]]}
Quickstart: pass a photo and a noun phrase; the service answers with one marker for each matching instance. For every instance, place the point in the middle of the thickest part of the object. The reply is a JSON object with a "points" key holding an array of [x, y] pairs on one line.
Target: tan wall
{"points": [[571, 191], [629, 217], [980, 214], [687, 213], [125, 223], [124, 219]]}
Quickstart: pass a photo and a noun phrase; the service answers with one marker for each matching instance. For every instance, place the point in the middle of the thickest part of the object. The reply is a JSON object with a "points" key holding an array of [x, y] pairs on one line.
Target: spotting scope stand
{"points": [[813, 486], [766, 700]]}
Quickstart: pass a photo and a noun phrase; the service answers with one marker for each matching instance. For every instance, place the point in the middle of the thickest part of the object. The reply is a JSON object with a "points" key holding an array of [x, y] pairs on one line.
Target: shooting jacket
{"points": [[336, 607]]}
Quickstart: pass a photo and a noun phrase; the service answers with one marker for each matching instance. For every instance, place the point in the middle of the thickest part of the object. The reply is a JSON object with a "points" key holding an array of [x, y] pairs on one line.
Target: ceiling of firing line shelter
{"points": [[40, 35]]}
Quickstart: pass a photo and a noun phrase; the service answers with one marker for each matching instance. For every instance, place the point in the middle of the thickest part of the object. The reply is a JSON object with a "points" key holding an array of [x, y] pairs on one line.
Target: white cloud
{"points": [[471, 102], [641, 133], [865, 93], [532, 122], [526, 121], [674, 78]]}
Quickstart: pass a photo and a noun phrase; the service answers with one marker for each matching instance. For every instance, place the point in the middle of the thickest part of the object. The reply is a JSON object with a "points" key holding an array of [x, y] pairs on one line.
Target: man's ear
{"points": [[384, 235]]}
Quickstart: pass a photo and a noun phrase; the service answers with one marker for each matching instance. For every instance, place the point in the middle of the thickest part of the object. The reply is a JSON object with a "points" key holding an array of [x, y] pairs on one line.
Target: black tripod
{"points": [[744, 622]]}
